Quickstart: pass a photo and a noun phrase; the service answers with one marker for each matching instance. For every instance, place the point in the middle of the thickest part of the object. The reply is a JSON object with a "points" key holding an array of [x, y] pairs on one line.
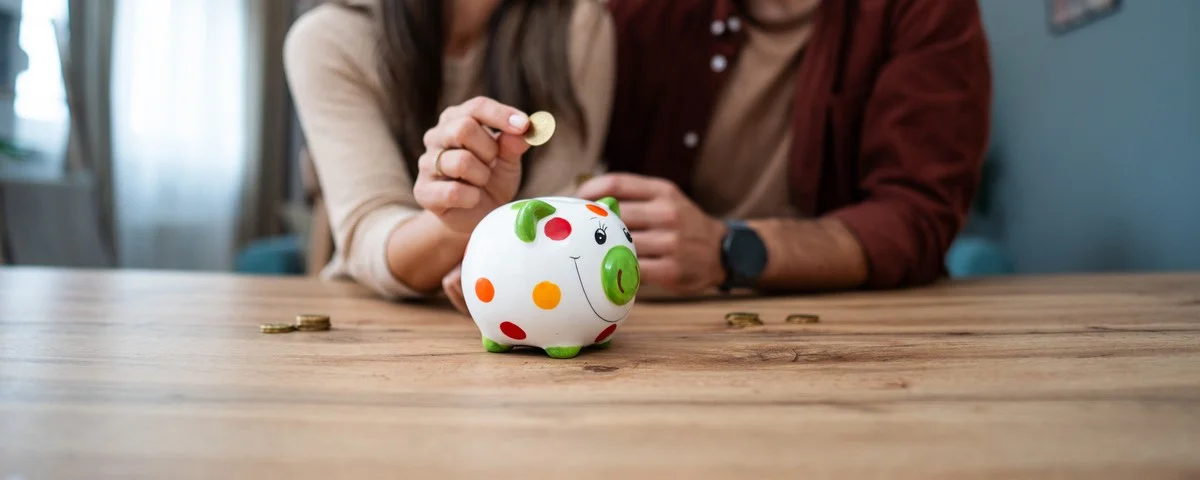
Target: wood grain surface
{"points": [[165, 375]]}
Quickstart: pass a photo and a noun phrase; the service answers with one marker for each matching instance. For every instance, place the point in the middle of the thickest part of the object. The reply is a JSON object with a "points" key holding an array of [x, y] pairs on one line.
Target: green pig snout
{"points": [[620, 275]]}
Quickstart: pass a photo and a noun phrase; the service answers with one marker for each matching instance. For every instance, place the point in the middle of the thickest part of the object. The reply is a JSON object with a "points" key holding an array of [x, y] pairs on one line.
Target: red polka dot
{"points": [[605, 334], [512, 330], [558, 228]]}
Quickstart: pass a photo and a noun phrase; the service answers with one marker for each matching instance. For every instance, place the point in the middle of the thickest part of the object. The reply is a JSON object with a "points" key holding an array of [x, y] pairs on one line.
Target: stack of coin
{"points": [[742, 319], [312, 323], [541, 128], [305, 322]]}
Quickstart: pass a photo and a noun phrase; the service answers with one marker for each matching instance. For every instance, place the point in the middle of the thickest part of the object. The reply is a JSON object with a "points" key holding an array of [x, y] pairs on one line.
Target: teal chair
{"points": [[282, 255], [297, 253], [973, 256]]}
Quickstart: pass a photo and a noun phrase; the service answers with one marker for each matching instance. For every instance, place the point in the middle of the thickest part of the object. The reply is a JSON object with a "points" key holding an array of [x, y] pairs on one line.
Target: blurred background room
{"points": [[159, 134]]}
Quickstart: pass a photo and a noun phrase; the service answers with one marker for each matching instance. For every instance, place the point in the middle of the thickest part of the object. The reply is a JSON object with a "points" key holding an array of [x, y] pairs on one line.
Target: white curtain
{"points": [[179, 131]]}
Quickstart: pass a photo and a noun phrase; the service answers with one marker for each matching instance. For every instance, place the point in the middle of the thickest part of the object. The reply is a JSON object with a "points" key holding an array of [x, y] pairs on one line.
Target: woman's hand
{"points": [[465, 172], [452, 285]]}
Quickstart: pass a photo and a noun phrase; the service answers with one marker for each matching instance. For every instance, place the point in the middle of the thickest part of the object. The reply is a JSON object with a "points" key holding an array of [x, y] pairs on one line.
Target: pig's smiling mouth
{"points": [[585, 295]]}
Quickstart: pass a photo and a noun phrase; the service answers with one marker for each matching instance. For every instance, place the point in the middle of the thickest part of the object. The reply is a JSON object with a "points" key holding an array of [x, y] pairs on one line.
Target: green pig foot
{"points": [[562, 352], [494, 347], [602, 346]]}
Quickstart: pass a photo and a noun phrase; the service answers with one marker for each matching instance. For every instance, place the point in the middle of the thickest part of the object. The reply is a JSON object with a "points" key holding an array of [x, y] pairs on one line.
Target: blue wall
{"points": [[1097, 135]]}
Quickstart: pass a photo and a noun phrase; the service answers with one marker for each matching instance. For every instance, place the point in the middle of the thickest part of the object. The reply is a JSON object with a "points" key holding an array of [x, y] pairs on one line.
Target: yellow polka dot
{"points": [[546, 295]]}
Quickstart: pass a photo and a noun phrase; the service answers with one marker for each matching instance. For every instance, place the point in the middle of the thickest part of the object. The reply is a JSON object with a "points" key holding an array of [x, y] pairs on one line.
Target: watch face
{"points": [[745, 255]]}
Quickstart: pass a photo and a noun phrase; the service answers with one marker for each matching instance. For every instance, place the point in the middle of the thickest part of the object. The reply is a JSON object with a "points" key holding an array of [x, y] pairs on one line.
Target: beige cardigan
{"points": [[331, 65]]}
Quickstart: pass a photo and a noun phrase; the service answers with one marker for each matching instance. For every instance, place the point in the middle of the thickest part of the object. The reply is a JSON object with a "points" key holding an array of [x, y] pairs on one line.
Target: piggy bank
{"points": [[555, 273]]}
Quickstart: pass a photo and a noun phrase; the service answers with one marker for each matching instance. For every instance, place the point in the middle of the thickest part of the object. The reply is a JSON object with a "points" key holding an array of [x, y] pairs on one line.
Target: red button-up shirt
{"points": [[892, 114]]}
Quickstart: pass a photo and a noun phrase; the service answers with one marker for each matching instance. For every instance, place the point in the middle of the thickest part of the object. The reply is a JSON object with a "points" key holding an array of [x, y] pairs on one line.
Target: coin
{"points": [[276, 328], [742, 319], [582, 178], [803, 318], [312, 318], [541, 128], [312, 323]]}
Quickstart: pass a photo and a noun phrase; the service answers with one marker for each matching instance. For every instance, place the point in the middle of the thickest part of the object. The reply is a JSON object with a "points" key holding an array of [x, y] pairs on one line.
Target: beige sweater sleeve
{"points": [[331, 67], [330, 63]]}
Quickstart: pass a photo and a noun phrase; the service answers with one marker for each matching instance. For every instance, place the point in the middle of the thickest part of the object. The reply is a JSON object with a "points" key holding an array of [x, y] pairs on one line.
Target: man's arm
{"points": [[810, 255], [678, 245], [923, 138], [925, 131]]}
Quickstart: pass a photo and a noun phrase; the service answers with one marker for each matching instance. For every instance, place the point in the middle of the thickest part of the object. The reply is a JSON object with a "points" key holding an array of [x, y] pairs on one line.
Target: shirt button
{"points": [[734, 24], [719, 63], [718, 27], [690, 139]]}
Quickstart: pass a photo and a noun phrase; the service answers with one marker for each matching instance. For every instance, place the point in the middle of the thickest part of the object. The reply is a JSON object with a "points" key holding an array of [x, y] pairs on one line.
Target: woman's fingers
{"points": [[438, 196], [463, 132], [511, 149], [452, 285], [489, 113], [455, 164], [468, 152]]}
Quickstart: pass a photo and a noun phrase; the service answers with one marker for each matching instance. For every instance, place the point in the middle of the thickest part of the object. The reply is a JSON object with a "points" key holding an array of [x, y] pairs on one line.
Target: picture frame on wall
{"points": [[1067, 15]]}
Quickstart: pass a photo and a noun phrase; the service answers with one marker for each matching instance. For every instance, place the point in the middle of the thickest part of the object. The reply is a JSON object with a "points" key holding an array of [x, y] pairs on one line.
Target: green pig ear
{"points": [[612, 204], [528, 215]]}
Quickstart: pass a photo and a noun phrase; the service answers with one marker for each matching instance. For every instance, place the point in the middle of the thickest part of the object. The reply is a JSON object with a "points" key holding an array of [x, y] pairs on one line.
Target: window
{"points": [[34, 115]]}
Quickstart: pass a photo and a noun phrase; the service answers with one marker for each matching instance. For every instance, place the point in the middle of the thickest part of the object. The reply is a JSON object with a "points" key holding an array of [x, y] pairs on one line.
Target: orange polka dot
{"points": [[597, 210], [484, 290], [546, 295]]}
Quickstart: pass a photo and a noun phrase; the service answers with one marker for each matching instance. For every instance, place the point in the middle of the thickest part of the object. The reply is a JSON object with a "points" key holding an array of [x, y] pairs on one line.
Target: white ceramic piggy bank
{"points": [[555, 273]]}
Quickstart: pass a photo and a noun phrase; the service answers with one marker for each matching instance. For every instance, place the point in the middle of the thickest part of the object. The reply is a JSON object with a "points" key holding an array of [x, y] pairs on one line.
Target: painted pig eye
{"points": [[601, 237], [627, 235]]}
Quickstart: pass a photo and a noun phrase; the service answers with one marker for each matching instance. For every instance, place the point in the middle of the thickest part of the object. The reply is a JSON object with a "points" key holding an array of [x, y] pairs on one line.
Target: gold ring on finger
{"points": [[437, 164]]}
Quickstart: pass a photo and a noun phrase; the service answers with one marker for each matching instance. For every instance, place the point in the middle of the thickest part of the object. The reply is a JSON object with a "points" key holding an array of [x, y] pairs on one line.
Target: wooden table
{"points": [[165, 375]]}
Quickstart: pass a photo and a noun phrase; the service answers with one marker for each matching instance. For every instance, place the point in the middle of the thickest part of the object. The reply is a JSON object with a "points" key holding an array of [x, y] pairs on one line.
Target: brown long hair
{"points": [[526, 63]]}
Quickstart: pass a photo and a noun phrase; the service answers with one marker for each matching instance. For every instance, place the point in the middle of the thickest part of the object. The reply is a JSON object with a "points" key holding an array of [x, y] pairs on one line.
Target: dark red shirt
{"points": [[892, 114]]}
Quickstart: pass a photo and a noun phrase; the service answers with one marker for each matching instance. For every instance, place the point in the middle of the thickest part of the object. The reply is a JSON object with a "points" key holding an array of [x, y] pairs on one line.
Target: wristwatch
{"points": [[743, 255]]}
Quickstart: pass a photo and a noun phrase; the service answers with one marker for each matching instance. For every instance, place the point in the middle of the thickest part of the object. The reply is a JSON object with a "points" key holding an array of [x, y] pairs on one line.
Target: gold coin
{"points": [[304, 318], [803, 318], [742, 319], [276, 328], [582, 178], [312, 323], [541, 128]]}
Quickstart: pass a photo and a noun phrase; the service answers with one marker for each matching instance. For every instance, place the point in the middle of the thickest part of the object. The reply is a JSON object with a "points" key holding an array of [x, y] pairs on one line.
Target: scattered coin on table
{"points": [[742, 319], [541, 128], [803, 318]]}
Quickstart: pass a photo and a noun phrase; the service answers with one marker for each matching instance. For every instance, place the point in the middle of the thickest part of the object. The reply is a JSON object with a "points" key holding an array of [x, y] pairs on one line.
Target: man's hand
{"points": [[678, 245]]}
